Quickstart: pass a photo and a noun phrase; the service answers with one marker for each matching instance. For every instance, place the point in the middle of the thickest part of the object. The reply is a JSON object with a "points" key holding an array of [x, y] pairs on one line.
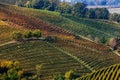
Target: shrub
{"points": [[70, 75], [51, 39], [13, 71], [37, 33], [113, 43], [28, 34], [59, 77], [18, 36]]}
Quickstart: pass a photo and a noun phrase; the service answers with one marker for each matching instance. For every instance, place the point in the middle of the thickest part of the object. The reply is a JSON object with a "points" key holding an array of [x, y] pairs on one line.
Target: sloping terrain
{"points": [[29, 22], [96, 59], [35, 53], [6, 31], [79, 26], [67, 53], [21, 17], [109, 73]]}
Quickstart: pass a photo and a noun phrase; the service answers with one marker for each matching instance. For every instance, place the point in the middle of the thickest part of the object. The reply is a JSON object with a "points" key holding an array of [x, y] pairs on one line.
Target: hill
{"points": [[109, 73], [67, 53], [53, 61], [99, 2], [78, 26], [95, 58], [6, 31], [84, 27]]}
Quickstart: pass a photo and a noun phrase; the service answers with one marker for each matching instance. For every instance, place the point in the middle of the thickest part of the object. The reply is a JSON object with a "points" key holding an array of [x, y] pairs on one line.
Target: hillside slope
{"points": [[53, 61], [76, 25], [11, 15], [109, 73], [6, 31]]}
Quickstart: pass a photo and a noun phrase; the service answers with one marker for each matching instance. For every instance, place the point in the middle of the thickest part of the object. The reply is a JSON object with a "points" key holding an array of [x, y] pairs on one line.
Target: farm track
{"points": [[10, 42]]}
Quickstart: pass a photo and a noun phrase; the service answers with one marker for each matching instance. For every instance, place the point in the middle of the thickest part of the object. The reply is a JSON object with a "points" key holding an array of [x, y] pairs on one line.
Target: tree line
{"points": [[77, 9]]}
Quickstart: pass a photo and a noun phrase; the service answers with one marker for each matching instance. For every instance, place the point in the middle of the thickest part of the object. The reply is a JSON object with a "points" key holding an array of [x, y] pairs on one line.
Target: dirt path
{"points": [[10, 42]]}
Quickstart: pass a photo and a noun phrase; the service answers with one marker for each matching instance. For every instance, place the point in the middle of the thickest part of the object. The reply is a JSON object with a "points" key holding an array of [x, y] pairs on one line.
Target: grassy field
{"points": [[109, 73], [33, 53]]}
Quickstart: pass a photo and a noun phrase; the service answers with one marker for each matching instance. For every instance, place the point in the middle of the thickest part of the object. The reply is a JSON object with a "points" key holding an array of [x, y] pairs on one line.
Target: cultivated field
{"points": [[6, 31], [33, 53], [76, 25], [94, 58], [109, 73]]}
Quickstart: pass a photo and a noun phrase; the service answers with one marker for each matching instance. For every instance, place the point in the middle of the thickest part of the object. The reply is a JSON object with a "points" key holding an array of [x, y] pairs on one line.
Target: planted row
{"points": [[109, 73]]}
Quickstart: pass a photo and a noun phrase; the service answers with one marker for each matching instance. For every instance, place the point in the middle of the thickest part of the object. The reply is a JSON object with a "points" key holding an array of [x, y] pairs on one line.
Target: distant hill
{"points": [[89, 2], [99, 2]]}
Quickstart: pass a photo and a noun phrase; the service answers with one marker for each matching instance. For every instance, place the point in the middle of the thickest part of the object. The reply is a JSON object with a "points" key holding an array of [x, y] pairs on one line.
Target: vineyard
{"points": [[67, 52], [79, 26], [100, 59], [29, 22], [52, 60], [13, 14], [6, 31], [109, 73]]}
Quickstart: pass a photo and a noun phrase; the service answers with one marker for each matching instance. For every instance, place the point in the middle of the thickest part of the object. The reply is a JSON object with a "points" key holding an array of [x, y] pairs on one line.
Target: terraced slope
{"points": [[90, 56], [109, 73], [75, 25], [11, 15], [53, 61], [6, 31]]}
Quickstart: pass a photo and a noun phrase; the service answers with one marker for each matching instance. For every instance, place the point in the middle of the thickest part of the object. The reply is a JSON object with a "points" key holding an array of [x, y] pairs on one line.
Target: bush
{"points": [[37, 33], [18, 36], [70, 75], [27, 34], [59, 77], [13, 71], [51, 39]]}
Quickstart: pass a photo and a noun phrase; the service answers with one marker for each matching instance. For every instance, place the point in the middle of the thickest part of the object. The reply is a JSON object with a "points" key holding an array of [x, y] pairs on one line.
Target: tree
{"points": [[64, 7], [38, 71], [101, 13], [90, 13], [59, 77], [37, 33], [113, 43], [115, 17], [96, 39], [53, 5], [28, 4], [103, 40], [28, 34], [79, 9], [13, 71], [90, 37], [19, 3], [18, 36], [37, 4], [70, 75]]}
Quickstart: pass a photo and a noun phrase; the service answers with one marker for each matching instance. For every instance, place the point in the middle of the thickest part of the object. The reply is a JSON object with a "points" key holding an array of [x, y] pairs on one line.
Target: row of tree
{"points": [[77, 9], [19, 36]]}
